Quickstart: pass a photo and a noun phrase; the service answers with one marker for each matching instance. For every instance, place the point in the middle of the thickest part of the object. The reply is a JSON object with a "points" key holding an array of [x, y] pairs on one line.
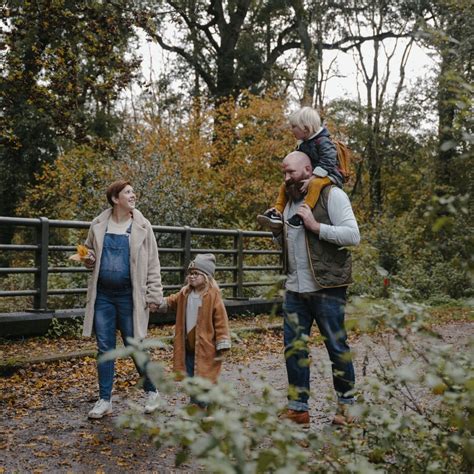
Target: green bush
{"points": [[16, 282], [431, 279], [71, 327], [415, 413], [367, 280], [427, 250]]}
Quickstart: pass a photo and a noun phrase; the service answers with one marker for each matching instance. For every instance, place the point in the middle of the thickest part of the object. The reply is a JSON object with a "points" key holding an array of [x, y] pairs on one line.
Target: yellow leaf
{"points": [[82, 253]]}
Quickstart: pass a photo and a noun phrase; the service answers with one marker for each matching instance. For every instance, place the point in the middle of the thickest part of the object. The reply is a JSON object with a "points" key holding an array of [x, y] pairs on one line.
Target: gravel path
{"points": [[43, 408]]}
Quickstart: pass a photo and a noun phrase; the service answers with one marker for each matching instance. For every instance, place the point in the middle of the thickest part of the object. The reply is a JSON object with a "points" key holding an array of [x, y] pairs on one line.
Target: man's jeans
{"points": [[113, 308], [326, 307]]}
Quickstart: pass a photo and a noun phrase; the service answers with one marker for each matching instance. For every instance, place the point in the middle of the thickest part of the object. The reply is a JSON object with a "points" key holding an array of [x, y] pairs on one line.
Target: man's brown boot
{"points": [[342, 417], [299, 417]]}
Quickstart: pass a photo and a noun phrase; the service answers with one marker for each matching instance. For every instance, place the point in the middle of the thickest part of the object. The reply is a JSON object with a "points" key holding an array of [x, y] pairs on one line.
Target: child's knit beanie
{"points": [[205, 262]]}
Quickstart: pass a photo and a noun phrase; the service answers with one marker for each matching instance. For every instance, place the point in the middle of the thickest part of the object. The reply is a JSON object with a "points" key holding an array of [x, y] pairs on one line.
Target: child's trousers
{"points": [[189, 362]]}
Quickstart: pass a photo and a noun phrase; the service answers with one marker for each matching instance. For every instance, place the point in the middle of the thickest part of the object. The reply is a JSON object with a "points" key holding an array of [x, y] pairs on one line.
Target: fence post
{"points": [[186, 245], [239, 263], [40, 301]]}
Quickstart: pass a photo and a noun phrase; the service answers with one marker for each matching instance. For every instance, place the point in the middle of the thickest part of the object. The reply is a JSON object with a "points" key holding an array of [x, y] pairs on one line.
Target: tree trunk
{"points": [[373, 158], [446, 112]]}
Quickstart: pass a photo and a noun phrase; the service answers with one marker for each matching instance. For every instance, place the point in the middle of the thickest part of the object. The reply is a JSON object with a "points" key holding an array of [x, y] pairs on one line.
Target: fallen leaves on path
{"points": [[36, 401], [43, 407], [35, 347]]}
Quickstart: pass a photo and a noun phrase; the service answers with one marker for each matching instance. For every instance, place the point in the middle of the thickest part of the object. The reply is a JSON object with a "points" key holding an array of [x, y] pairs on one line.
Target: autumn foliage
{"points": [[220, 175]]}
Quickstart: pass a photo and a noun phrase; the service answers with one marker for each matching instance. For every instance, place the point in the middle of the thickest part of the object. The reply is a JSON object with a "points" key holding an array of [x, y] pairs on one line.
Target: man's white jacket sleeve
{"points": [[344, 230]]}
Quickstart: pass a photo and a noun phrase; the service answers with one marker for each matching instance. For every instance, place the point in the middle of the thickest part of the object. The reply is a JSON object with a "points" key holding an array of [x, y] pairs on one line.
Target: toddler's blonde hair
{"points": [[210, 283], [306, 117]]}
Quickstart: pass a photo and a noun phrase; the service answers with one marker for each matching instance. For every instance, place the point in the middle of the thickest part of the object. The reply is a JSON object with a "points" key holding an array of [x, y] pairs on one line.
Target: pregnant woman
{"points": [[124, 286]]}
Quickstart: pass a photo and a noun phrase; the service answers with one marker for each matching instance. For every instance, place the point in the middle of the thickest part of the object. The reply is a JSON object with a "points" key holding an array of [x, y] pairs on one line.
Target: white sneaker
{"points": [[101, 408], [153, 402]]}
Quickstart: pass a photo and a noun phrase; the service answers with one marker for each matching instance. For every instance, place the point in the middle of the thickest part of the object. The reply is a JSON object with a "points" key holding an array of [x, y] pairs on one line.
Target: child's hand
{"points": [[159, 307], [305, 184], [272, 209], [221, 354]]}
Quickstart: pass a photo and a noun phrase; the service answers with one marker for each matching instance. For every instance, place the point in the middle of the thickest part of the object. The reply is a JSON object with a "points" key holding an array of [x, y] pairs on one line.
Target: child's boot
{"points": [[271, 219], [295, 221]]}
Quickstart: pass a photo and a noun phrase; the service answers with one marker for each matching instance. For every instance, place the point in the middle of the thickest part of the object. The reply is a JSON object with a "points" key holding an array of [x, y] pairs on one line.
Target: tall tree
{"points": [[449, 28], [370, 19], [63, 67], [231, 46], [237, 45], [331, 25]]}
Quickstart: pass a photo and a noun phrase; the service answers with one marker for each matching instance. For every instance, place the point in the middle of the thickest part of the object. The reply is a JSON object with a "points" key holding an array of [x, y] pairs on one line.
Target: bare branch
{"points": [[359, 40], [195, 25], [393, 111], [193, 61]]}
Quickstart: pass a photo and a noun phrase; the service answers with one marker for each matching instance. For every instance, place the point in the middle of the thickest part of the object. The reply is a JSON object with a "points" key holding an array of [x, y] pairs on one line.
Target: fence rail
{"points": [[239, 250]]}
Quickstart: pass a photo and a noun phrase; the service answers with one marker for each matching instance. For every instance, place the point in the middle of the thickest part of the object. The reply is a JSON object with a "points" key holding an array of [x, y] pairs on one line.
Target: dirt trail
{"points": [[43, 407]]}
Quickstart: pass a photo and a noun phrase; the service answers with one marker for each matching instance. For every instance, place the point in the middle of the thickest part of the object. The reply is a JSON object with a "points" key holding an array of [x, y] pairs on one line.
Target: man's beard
{"points": [[294, 190]]}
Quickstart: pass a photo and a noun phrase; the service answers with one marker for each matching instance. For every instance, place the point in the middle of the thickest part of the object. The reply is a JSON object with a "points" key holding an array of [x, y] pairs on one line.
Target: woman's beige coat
{"points": [[212, 332], [144, 270]]}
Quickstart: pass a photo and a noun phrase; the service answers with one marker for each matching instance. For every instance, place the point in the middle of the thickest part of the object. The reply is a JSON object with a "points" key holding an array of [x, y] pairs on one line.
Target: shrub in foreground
{"points": [[415, 410]]}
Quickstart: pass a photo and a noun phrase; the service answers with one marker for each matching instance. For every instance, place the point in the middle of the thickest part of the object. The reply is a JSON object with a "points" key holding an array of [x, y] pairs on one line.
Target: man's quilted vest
{"points": [[332, 264]]}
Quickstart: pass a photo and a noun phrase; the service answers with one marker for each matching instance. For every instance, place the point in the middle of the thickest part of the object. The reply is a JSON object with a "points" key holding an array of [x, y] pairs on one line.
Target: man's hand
{"points": [[310, 222], [153, 307], [305, 184]]}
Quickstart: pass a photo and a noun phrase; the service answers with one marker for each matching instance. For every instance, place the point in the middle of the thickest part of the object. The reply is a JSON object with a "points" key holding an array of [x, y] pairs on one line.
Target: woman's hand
{"points": [[305, 184], [89, 261]]}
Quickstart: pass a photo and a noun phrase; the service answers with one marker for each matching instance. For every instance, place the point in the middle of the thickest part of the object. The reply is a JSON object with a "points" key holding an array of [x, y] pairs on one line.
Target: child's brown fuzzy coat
{"points": [[212, 328]]}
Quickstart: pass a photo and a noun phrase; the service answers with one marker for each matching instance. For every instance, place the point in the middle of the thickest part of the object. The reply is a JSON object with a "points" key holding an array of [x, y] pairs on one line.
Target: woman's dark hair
{"points": [[114, 190]]}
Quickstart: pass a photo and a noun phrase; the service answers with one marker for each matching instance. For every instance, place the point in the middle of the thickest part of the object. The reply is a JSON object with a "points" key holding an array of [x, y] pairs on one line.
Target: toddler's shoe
{"points": [[271, 219], [295, 221]]}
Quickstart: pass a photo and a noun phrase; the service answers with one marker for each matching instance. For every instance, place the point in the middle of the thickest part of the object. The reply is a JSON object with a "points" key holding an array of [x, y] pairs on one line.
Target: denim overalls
{"points": [[114, 306]]}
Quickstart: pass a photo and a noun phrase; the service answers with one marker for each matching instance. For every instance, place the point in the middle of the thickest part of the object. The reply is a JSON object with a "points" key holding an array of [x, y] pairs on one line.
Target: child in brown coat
{"points": [[202, 326]]}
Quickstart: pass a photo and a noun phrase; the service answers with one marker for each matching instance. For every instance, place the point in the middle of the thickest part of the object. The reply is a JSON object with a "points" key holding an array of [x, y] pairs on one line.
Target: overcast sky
{"points": [[156, 62]]}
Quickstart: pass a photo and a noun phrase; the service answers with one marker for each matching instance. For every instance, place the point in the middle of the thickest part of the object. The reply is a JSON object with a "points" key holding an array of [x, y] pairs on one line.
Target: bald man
{"points": [[319, 269]]}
